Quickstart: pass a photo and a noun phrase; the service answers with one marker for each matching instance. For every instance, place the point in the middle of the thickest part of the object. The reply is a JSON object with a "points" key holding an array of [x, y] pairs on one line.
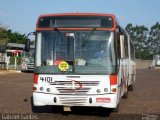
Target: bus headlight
{"points": [[48, 90], [105, 89], [98, 90], [41, 88]]}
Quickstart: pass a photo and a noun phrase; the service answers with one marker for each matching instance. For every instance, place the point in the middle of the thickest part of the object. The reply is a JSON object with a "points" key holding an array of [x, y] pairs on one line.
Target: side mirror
{"points": [[27, 45], [122, 46]]}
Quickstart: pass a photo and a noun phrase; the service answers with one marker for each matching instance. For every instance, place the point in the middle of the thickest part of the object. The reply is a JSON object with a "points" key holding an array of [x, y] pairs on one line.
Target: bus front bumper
{"points": [[105, 100]]}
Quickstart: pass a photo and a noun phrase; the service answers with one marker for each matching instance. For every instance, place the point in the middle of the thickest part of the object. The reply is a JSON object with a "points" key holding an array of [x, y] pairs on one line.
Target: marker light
{"points": [[34, 88], [114, 89]]}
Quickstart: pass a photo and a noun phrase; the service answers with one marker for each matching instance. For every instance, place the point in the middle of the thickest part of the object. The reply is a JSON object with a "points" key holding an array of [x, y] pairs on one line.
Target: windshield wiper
{"points": [[61, 37], [59, 33], [86, 39]]}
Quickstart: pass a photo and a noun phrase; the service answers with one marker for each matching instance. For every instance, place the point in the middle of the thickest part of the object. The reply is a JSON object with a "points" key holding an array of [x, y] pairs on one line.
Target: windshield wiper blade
{"points": [[61, 37], [59, 33], [87, 37]]}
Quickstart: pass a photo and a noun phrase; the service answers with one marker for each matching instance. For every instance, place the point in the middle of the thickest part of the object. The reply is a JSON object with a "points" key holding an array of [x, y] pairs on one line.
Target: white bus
{"points": [[82, 59], [156, 61]]}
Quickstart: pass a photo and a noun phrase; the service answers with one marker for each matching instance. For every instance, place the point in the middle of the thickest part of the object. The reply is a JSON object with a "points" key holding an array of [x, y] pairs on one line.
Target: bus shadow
{"points": [[86, 111], [91, 111]]}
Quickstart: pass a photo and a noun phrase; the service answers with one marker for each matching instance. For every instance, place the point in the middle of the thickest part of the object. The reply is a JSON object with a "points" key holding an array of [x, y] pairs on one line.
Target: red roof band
{"points": [[78, 14]]}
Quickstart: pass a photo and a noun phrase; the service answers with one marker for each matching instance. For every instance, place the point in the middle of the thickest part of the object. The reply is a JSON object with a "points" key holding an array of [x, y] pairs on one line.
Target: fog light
{"points": [[48, 90], [98, 90], [105, 89]]}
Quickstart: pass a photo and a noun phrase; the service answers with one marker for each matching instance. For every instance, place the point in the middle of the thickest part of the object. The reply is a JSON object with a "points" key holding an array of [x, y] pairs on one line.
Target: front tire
{"points": [[125, 95], [130, 88], [116, 109]]}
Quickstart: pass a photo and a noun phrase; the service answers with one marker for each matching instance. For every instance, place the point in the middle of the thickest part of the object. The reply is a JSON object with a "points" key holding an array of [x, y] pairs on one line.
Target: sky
{"points": [[21, 15]]}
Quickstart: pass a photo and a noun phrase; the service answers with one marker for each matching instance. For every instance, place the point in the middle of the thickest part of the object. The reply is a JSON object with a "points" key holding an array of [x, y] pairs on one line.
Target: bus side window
{"points": [[126, 47], [118, 45]]}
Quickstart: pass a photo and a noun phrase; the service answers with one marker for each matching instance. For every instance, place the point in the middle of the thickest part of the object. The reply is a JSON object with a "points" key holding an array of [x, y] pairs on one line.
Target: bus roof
{"points": [[92, 20], [77, 14]]}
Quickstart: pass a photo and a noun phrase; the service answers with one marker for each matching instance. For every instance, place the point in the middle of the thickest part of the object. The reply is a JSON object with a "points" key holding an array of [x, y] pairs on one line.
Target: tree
{"points": [[16, 37], [3, 39], [139, 35], [141, 40], [7, 36], [154, 39]]}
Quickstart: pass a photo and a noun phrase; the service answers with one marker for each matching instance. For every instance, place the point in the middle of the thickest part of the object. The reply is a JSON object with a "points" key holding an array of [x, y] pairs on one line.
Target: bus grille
{"points": [[76, 100], [74, 87]]}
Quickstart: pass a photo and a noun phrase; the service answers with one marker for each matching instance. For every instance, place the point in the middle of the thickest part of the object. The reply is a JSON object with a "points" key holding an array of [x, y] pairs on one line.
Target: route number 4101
{"points": [[46, 79]]}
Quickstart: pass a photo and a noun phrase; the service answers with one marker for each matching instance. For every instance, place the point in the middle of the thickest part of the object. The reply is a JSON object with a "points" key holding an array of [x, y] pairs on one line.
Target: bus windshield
{"points": [[83, 52]]}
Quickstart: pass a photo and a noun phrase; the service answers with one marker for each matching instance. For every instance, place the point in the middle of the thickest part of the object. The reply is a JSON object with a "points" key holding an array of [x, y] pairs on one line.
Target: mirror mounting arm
{"points": [[27, 44]]}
